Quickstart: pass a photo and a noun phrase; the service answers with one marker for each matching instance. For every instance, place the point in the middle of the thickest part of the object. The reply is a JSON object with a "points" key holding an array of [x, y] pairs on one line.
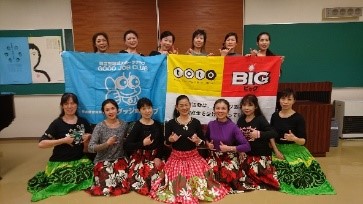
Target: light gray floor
{"points": [[21, 159]]}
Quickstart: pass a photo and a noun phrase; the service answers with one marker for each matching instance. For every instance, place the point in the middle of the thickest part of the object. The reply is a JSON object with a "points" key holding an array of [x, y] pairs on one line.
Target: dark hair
{"points": [[166, 34], [268, 51], [107, 101], [94, 39], [229, 35], [288, 92], [65, 97], [252, 99], [143, 102], [179, 98], [130, 31], [34, 47], [221, 100], [200, 32]]}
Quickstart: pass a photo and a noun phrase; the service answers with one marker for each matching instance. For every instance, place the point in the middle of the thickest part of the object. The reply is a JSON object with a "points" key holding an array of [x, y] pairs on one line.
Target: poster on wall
{"points": [[14, 61], [46, 62]]}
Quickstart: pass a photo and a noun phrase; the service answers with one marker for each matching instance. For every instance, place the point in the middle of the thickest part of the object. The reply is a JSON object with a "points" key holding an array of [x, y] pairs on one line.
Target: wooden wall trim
{"points": [[114, 17]]}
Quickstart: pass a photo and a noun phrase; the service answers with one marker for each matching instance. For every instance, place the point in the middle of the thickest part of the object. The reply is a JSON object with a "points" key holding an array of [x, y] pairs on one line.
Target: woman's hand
{"points": [[195, 139], [68, 140], [174, 137], [173, 51], [190, 51], [112, 140], [147, 141], [157, 162], [224, 52], [289, 137], [279, 155], [225, 148], [210, 145], [86, 137]]}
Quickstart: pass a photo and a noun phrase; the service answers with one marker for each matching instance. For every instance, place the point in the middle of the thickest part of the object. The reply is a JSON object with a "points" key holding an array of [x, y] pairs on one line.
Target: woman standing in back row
{"points": [[199, 40], [100, 42], [229, 45], [131, 40], [166, 44]]}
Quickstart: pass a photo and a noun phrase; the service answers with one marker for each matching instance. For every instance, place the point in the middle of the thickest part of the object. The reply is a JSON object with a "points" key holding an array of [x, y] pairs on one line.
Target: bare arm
{"points": [[52, 143], [275, 149]]}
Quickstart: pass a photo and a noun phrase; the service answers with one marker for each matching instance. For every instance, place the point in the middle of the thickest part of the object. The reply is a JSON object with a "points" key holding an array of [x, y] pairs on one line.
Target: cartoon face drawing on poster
{"points": [[35, 57], [123, 89]]}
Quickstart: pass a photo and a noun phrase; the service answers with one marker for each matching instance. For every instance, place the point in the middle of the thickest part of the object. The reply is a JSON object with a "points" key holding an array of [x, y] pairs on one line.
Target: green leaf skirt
{"points": [[60, 178], [300, 173]]}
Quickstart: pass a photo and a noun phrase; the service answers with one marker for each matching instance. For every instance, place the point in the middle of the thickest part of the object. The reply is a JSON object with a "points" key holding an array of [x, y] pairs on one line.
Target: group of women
{"points": [[100, 43], [178, 162], [164, 162]]}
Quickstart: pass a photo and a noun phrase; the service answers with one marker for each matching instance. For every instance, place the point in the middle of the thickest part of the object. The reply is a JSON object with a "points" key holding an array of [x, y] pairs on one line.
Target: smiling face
{"points": [[110, 110], [286, 102], [69, 107], [131, 41], [263, 42], [101, 43], [183, 107], [198, 41], [146, 111], [231, 42], [221, 110], [166, 43], [248, 109]]}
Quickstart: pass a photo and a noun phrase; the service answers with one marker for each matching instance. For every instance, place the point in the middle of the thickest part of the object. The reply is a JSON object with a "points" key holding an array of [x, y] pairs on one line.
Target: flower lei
{"points": [[77, 134]]}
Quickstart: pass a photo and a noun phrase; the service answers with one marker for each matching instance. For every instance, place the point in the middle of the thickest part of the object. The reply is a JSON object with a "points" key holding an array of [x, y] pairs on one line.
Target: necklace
{"points": [[184, 123]]}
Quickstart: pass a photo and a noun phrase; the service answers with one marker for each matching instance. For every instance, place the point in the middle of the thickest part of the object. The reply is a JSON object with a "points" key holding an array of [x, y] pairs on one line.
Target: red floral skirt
{"points": [[110, 178], [142, 170], [227, 169], [261, 174], [186, 178]]}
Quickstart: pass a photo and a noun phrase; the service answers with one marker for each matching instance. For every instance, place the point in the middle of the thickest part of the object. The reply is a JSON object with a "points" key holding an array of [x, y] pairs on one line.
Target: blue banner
{"points": [[126, 78]]}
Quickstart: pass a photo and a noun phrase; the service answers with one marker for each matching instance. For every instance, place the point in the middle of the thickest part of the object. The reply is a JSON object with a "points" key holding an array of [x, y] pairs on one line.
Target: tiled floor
{"points": [[21, 159]]}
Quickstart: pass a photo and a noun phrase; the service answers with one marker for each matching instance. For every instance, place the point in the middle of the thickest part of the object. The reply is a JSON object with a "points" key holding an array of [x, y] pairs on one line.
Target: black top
{"points": [[59, 129], [139, 132], [295, 123], [259, 146], [185, 131], [154, 52], [124, 51]]}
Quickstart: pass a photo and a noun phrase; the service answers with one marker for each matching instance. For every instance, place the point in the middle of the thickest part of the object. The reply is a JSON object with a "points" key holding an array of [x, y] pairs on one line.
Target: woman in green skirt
{"points": [[297, 170], [67, 169]]}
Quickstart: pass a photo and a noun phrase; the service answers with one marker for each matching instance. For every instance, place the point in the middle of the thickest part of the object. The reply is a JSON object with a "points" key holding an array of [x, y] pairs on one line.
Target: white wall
{"points": [[292, 11], [35, 112]]}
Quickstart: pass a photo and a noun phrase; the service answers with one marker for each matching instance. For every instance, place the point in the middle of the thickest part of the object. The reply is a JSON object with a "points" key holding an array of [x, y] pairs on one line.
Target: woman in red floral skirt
{"points": [[145, 142], [258, 164], [111, 165], [226, 143], [186, 177]]}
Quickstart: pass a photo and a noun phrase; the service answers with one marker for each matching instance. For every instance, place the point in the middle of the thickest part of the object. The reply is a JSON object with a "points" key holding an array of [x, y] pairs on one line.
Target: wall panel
{"points": [[180, 17]]}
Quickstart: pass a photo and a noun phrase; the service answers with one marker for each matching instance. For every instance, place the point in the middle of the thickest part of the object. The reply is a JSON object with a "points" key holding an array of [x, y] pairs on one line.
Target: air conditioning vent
{"points": [[342, 12], [349, 115], [353, 124]]}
